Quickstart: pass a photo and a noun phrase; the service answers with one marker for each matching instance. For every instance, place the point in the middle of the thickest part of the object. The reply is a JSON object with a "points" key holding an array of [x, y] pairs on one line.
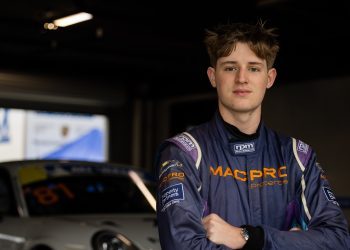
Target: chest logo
{"points": [[242, 148]]}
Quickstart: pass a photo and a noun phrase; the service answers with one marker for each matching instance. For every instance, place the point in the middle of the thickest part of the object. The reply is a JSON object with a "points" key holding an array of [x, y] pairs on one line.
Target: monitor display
{"points": [[12, 122], [52, 135], [32, 134]]}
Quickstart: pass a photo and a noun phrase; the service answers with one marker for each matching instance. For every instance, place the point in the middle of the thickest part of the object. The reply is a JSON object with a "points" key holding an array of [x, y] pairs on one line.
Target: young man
{"points": [[233, 183]]}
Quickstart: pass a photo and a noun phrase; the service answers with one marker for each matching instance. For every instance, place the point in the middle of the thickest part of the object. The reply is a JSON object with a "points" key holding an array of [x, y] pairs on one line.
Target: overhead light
{"points": [[68, 20], [50, 26]]}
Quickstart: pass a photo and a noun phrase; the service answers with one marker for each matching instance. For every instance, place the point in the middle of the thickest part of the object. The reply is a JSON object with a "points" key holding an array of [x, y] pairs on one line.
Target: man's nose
{"points": [[241, 76]]}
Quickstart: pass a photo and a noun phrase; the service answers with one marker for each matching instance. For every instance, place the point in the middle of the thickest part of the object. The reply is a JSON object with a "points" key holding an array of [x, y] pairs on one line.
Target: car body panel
{"points": [[24, 230]]}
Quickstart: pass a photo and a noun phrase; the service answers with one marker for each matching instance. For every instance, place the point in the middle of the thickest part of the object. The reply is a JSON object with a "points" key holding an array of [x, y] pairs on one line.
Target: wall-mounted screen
{"points": [[30, 134], [12, 138]]}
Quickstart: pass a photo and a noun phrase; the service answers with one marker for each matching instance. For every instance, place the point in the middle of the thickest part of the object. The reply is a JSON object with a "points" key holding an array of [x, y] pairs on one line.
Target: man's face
{"points": [[241, 80]]}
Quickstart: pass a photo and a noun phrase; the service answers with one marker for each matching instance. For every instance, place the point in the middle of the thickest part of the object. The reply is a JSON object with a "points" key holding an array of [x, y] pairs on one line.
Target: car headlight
{"points": [[108, 240]]}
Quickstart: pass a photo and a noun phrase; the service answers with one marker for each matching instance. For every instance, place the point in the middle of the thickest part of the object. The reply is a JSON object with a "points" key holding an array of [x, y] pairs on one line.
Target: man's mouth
{"points": [[241, 92]]}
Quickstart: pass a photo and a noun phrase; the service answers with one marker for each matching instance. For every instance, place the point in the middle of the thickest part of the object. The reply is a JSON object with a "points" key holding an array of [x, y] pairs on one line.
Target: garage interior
{"points": [[143, 66]]}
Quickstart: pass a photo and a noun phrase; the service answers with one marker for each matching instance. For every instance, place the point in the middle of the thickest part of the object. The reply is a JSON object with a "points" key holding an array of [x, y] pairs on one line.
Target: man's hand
{"points": [[220, 232]]}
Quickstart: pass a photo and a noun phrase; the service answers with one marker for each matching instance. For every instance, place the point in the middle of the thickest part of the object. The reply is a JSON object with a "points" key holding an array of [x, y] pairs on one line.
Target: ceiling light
{"points": [[50, 26], [69, 20]]}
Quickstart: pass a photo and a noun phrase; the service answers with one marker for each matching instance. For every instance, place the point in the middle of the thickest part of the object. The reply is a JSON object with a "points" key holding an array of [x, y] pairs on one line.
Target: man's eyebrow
{"points": [[235, 62], [228, 62], [255, 63]]}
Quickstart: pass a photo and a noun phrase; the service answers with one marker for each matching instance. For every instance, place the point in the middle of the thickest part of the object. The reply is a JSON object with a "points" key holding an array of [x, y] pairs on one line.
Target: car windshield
{"points": [[85, 194]]}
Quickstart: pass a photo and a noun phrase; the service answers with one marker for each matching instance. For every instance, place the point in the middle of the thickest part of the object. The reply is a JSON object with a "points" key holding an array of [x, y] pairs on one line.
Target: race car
{"points": [[75, 205]]}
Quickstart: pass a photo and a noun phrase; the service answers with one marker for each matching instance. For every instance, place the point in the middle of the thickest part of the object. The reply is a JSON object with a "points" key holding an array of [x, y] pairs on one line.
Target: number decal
{"points": [[65, 190], [45, 195], [49, 195]]}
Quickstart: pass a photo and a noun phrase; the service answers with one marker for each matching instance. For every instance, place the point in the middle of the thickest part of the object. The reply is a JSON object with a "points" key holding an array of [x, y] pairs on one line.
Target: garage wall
{"points": [[318, 113]]}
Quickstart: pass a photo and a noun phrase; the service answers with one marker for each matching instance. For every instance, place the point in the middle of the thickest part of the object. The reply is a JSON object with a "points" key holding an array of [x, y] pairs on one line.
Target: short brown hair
{"points": [[223, 39]]}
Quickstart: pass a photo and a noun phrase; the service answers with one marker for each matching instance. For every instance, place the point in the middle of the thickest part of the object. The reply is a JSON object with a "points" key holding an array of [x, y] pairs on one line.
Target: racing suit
{"points": [[268, 181]]}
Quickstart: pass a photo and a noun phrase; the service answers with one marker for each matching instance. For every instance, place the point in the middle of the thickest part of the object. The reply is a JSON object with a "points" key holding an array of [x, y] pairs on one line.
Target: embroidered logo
{"points": [[172, 195], [330, 196], [185, 141], [244, 148], [168, 165], [303, 147]]}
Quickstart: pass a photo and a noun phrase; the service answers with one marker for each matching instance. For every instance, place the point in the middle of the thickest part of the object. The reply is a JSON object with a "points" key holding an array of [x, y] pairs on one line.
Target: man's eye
{"points": [[230, 69], [254, 69]]}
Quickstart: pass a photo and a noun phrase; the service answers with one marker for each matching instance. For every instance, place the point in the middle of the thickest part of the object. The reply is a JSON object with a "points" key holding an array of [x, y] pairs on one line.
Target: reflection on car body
{"points": [[62, 205]]}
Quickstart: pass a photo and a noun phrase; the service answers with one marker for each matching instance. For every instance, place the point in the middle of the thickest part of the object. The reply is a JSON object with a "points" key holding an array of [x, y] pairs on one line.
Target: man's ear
{"points": [[211, 76], [271, 76]]}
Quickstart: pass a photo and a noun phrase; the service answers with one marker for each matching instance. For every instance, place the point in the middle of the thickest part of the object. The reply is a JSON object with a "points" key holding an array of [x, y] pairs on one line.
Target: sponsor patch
{"points": [[168, 165], [241, 148], [172, 176], [185, 141], [188, 144], [172, 195], [330, 196], [303, 147]]}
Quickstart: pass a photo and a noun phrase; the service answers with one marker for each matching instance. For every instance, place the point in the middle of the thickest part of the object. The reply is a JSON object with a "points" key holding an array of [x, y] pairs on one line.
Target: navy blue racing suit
{"points": [[272, 182]]}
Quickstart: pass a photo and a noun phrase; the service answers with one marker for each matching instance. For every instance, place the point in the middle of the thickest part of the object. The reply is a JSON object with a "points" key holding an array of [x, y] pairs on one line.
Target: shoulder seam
{"points": [[301, 165], [303, 184]]}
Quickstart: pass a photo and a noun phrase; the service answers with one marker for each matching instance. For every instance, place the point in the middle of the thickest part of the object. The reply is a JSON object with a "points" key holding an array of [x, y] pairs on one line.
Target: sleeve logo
{"points": [[303, 147], [168, 165], [172, 195], [330, 196], [185, 141]]}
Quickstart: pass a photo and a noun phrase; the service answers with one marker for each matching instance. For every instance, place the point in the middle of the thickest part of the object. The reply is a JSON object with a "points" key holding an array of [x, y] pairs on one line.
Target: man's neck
{"points": [[247, 123]]}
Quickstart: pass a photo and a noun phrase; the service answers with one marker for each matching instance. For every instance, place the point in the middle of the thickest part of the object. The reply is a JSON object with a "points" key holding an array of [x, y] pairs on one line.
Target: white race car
{"points": [[72, 205]]}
